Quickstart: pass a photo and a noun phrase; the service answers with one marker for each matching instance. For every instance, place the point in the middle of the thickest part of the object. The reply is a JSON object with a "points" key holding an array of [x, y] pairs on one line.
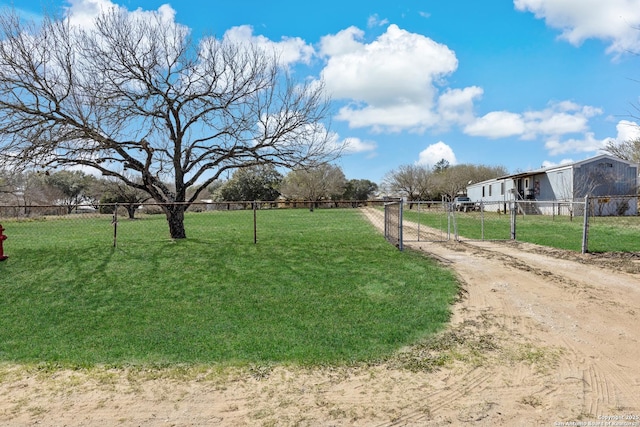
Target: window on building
{"points": [[490, 190], [502, 188]]}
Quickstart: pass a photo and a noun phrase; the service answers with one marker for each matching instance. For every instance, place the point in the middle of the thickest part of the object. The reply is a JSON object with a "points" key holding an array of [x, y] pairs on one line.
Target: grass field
{"points": [[606, 234], [319, 287]]}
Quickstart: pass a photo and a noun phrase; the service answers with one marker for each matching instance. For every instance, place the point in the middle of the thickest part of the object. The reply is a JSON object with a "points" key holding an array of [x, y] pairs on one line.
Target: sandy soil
{"points": [[539, 337]]}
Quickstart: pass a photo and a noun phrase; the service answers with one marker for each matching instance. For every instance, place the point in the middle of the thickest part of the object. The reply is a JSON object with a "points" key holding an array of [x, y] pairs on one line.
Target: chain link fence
{"points": [[591, 225], [484, 221], [427, 221], [393, 223], [606, 230], [595, 224], [123, 224], [550, 223]]}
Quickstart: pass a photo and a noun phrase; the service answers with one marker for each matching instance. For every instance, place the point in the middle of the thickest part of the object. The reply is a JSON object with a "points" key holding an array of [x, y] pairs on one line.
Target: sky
{"points": [[521, 84]]}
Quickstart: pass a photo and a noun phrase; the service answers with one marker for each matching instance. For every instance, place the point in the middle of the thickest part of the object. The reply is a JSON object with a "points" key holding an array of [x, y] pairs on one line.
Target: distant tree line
{"points": [[264, 182], [418, 182], [74, 188], [69, 189]]}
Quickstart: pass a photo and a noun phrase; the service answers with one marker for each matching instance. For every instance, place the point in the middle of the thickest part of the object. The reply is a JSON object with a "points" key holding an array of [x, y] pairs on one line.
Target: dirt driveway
{"points": [[539, 337]]}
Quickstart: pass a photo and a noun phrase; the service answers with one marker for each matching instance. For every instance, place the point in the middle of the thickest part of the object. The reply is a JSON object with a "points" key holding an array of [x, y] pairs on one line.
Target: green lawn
{"points": [[319, 287]]}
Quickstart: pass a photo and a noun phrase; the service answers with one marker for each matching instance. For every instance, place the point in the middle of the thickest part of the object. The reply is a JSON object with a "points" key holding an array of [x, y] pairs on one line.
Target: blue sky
{"points": [[520, 84]]}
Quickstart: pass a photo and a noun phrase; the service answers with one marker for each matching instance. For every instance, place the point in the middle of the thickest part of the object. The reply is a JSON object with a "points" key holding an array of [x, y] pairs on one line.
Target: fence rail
{"points": [[28, 211], [122, 224], [590, 225], [587, 226]]}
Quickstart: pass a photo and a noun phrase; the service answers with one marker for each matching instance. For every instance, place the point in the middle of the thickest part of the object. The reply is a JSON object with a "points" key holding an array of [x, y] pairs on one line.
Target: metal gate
{"points": [[393, 223], [484, 221], [426, 221]]}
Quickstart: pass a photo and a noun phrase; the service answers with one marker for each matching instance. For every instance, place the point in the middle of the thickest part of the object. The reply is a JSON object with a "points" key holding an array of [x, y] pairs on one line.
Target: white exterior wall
{"points": [[560, 184], [542, 187], [494, 190]]}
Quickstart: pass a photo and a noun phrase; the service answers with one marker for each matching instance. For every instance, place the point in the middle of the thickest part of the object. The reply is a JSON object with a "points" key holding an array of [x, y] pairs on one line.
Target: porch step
{"points": [[529, 208]]}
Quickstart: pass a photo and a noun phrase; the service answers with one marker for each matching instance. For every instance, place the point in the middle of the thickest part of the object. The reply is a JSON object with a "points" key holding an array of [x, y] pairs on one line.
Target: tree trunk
{"points": [[175, 218], [131, 210]]}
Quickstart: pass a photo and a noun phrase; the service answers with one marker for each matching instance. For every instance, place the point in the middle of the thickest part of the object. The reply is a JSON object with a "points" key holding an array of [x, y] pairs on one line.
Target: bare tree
{"points": [[134, 97], [6, 183], [411, 181], [112, 191], [321, 182], [453, 180], [626, 150]]}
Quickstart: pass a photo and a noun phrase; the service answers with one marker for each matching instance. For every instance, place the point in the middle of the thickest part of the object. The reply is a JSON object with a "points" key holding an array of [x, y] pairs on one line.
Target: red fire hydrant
{"points": [[2, 239]]}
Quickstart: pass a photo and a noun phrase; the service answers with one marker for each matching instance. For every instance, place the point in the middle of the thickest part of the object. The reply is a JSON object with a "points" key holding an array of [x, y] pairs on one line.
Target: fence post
{"points": [[115, 224], [386, 222], [445, 206], [255, 222], [419, 220], [513, 219], [400, 228], [482, 219], [585, 226]]}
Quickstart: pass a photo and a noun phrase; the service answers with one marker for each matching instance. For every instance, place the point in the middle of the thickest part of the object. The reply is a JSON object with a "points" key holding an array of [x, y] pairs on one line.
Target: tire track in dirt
{"points": [[581, 307]]}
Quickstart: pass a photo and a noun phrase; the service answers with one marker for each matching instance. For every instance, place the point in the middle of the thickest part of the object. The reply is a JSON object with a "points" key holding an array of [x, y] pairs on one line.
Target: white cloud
{"points": [[83, 12], [587, 144], [289, 49], [497, 124], [627, 131], [348, 145], [356, 145], [613, 21], [455, 106], [344, 42], [392, 81], [393, 118], [375, 21], [436, 152], [560, 118], [398, 67], [558, 124]]}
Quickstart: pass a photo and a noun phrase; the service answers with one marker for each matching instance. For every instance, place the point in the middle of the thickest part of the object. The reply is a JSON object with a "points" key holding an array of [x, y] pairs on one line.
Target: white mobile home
{"points": [[599, 176]]}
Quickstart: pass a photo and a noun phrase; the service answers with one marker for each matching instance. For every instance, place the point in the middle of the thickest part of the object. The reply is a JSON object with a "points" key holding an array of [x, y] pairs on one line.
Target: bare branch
{"points": [[141, 96]]}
